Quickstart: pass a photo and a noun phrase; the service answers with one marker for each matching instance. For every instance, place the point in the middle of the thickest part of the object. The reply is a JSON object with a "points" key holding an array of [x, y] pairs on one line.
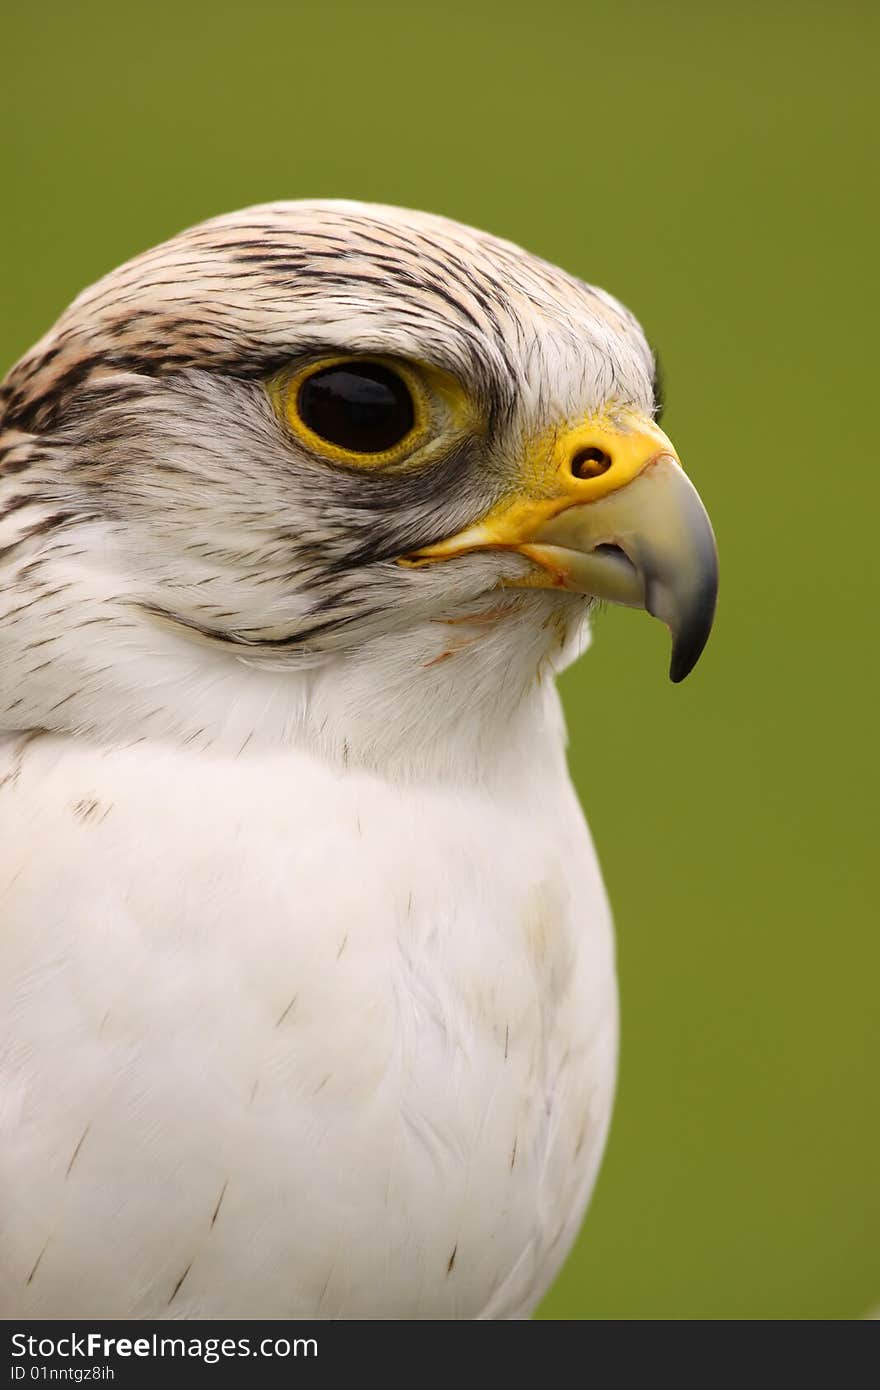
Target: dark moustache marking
{"points": [[408, 507], [228, 637]]}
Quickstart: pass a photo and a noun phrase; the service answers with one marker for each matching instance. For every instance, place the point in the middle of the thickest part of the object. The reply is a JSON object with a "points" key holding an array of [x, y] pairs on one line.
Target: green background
{"points": [[712, 167]]}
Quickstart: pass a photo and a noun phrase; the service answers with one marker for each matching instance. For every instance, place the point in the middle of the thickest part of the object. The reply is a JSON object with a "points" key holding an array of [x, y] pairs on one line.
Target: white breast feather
{"points": [[307, 1007]]}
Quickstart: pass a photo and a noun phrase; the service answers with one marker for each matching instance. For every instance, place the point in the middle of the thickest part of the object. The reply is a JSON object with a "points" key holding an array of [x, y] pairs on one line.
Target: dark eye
{"points": [[360, 406]]}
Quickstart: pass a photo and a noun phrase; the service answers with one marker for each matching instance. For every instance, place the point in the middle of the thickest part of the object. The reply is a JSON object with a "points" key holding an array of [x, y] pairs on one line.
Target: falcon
{"points": [[307, 987]]}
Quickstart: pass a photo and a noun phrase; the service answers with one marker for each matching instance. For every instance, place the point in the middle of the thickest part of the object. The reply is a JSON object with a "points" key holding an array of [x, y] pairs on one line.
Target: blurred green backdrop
{"points": [[712, 168]]}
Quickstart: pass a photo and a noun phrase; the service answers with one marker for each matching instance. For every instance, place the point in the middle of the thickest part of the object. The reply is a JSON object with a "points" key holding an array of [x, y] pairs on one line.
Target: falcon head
{"points": [[312, 439]]}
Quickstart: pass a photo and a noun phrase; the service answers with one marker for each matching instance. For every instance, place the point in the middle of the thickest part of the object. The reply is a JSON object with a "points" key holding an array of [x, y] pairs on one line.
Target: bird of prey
{"points": [[307, 986]]}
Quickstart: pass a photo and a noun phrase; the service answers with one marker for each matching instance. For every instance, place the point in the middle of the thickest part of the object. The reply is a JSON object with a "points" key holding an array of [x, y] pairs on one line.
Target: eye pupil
{"points": [[360, 406]]}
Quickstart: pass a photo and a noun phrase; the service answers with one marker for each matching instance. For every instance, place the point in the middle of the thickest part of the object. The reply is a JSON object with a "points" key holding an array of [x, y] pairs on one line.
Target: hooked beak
{"points": [[625, 524], [649, 545]]}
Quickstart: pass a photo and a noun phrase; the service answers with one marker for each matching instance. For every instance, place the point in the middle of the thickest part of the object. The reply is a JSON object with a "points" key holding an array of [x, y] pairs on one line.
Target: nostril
{"points": [[590, 463]]}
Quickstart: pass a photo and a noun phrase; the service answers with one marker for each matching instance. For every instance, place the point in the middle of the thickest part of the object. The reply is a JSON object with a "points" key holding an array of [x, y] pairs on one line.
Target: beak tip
{"points": [[688, 646], [678, 671], [687, 617]]}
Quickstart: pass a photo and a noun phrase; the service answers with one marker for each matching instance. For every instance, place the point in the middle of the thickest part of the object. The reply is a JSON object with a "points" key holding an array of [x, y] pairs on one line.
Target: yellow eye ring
{"points": [[364, 410]]}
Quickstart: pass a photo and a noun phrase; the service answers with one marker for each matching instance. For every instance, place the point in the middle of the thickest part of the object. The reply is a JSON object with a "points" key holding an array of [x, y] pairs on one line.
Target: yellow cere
{"points": [[610, 449]]}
